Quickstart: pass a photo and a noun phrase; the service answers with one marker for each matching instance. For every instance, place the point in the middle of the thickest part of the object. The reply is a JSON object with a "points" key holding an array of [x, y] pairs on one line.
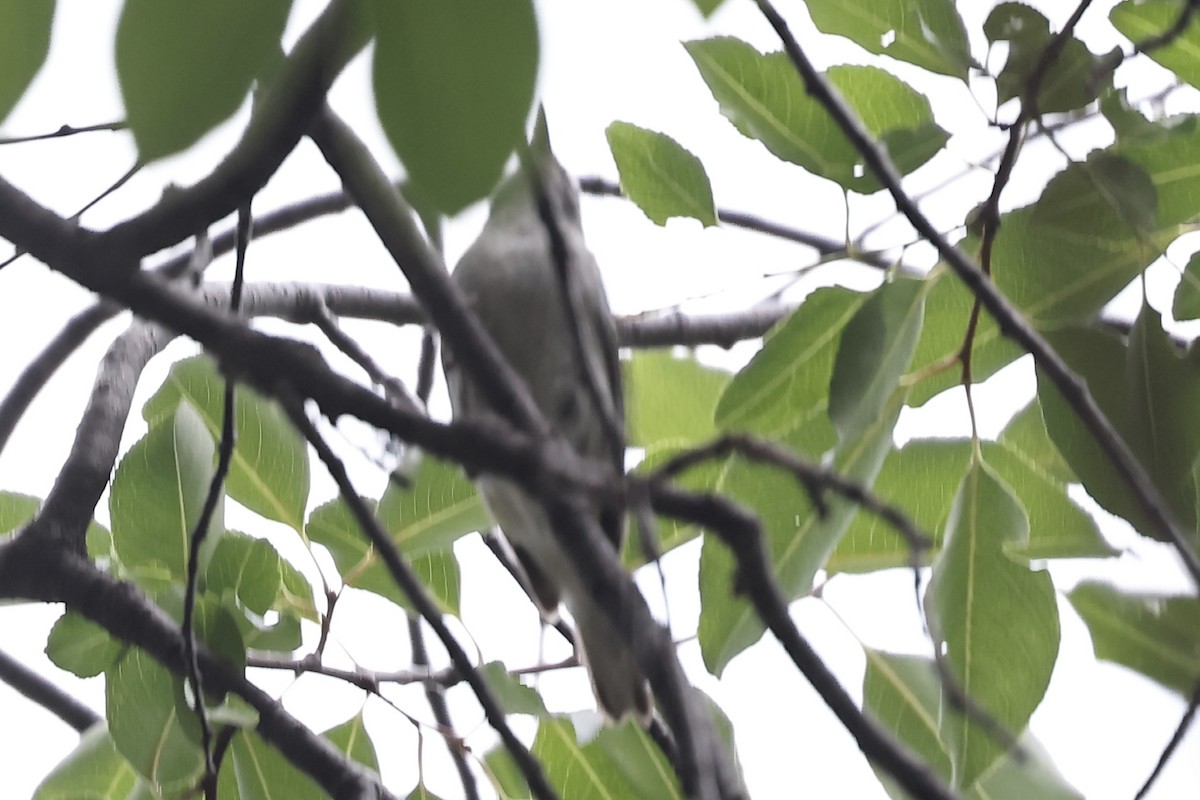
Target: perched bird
{"points": [[510, 278]]}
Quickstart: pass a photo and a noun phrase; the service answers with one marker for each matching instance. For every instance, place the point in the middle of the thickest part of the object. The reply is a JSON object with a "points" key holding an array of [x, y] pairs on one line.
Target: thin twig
{"points": [[1189, 716], [41, 691], [65, 130]]}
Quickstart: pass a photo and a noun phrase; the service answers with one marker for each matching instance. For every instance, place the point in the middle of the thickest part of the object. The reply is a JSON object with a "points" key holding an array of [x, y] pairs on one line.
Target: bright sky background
{"points": [[601, 62]]}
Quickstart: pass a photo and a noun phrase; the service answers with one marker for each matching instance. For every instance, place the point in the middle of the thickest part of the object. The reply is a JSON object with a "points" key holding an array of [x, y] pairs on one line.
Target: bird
{"points": [[510, 278]]}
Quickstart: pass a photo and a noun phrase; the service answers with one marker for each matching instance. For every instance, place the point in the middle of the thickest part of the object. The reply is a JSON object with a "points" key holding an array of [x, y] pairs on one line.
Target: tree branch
{"points": [[46, 694]]}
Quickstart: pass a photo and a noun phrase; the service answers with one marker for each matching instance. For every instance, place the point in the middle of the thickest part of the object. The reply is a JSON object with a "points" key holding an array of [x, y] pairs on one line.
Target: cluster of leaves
{"points": [[829, 382]]}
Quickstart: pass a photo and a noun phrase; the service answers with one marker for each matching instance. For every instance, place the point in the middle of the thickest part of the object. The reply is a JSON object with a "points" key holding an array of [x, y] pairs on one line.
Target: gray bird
{"points": [[510, 279]]}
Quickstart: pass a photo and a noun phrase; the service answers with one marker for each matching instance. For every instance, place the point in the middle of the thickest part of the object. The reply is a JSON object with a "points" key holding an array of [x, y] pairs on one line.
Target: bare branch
{"points": [[46, 694]]}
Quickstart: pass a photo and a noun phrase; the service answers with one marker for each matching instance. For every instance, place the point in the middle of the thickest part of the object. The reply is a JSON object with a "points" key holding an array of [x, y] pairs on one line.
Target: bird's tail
{"points": [[618, 682]]}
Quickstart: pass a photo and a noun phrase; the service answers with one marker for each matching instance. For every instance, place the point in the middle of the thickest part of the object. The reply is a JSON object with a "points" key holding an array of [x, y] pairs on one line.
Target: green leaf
{"points": [[145, 722], [1147, 19], [904, 694], [158, 492], [707, 7], [1152, 409], [876, 347], [928, 33], [439, 507], [94, 770], [785, 385], [661, 176], [1062, 273], [798, 540], [999, 620], [16, 509], [669, 399], [1105, 185], [514, 697], [360, 566], [420, 792], [163, 45], [248, 568], [947, 312], [1163, 395], [1026, 434], [1156, 635], [1187, 294], [262, 773], [81, 647], [920, 479], [351, 738], [269, 473], [454, 84], [620, 762], [1069, 82], [763, 96], [24, 43], [1161, 157]]}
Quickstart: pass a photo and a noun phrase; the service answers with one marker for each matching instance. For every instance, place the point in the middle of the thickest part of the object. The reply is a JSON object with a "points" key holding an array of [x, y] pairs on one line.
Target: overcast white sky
{"points": [[616, 60]]}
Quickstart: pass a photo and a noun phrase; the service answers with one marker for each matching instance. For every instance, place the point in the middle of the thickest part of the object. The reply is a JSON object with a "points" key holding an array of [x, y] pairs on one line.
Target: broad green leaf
{"points": [[1152, 409], [1187, 294], [454, 84], [798, 540], [361, 567], [1163, 393], [904, 694], [24, 43], [1155, 635], [998, 619], [586, 771], [764, 97], [420, 792], [246, 567], [514, 697], [1034, 777], [351, 738], [438, 508], [264, 774], [1170, 161], [638, 759], [269, 473], [669, 399], [943, 331], [876, 347], [16, 509], [164, 45], [158, 492], [1069, 82], [659, 175], [1026, 434], [144, 701], [94, 770], [295, 594], [1065, 272], [1108, 187], [920, 478], [1127, 122], [1147, 19], [928, 33], [82, 647], [785, 385]]}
